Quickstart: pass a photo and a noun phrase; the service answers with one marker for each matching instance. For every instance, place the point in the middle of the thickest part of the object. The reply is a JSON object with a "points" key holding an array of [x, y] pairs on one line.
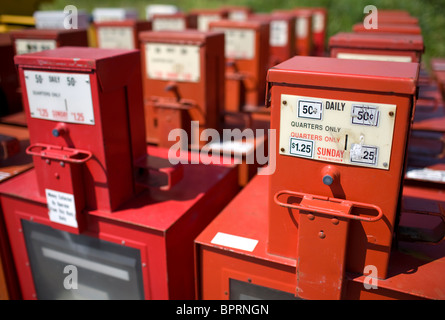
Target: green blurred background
{"points": [[342, 13]]}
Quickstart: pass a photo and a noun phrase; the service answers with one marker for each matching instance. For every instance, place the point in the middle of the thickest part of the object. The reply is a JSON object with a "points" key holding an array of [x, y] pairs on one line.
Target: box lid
{"points": [[410, 42], [185, 36], [239, 24], [389, 28], [43, 33], [106, 62], [363, 75]]}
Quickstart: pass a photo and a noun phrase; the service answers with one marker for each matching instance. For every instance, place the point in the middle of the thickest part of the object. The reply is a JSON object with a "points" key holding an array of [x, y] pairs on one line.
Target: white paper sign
{"points": [[60, 96], [61, 207], [236, 242]]}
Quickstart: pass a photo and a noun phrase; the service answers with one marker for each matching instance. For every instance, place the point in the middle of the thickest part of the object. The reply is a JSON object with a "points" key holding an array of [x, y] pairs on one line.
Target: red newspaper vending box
{"points": [[247, 54], [183, 78], [322, 225], [281, 35], [375, 46], [103, 216], [303, 31], [120, 34], [319, 30]]}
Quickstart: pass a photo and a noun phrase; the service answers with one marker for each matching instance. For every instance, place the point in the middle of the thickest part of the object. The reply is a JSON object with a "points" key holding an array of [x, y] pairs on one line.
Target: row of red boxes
{"points": [[131, 224]]}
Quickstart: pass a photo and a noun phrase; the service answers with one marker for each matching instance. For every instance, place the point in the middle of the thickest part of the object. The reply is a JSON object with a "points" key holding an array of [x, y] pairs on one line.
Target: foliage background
{"points": [[342, 13]]}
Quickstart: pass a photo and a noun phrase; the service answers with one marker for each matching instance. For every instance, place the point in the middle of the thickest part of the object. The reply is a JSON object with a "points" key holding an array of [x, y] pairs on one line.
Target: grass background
{"points": [[342, 14]]}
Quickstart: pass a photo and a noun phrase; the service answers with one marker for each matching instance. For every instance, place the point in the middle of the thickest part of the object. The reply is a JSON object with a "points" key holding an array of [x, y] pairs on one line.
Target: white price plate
{"points": [[239, 43], [278, 33], [32, 45], [173, 24], [58, 96], [115, 38], [205, 19], [302, 26], [340, 131], [302, 148], [173, 62]]}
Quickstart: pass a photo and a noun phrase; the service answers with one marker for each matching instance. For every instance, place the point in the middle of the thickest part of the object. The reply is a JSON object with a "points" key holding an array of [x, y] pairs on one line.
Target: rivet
{"points": [[385, 164], [282, 149], [391, 113], [47, 161], [284, 102], [62, 164], [310, 216], [56, 175], [334, 221], [321, 235]]}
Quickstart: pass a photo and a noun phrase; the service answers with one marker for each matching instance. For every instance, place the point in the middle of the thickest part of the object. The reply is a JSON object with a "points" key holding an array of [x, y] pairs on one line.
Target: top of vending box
{"points": [[188, 35], [105, 62], [363, 75], [377, 41], [72, 57]]}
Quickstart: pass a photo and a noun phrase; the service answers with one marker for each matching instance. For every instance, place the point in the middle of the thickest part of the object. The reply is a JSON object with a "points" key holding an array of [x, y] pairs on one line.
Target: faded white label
{"points": [[318, 22], [239, 43], [115, 38], [340, 131], [302, 27], [61, 207], [173, 62], [60, 96], [32, 45], [373, 57], [238, 15], [205, 19], [232, 146], [173, 24], [278, 33], [236, 242], [426, 174]]}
